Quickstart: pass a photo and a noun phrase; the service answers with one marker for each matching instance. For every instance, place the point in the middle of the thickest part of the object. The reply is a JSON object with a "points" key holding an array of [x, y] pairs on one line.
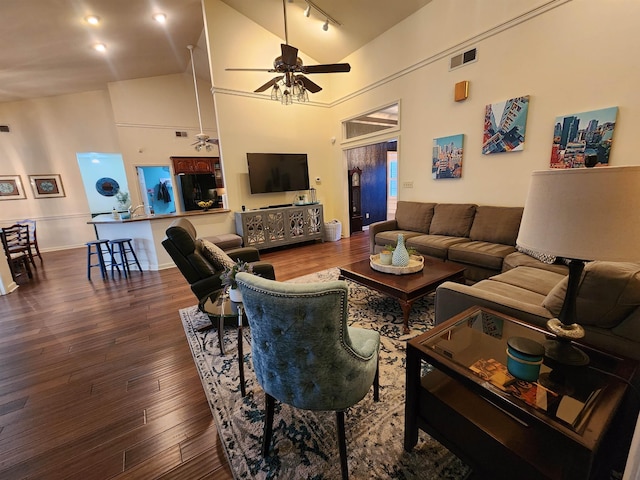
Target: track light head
{"points": [[325, 26], [307, 11]]}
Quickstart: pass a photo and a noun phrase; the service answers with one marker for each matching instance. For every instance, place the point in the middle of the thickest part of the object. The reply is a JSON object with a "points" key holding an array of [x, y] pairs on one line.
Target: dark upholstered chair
{"points": [[188, 253], [303, 352]]}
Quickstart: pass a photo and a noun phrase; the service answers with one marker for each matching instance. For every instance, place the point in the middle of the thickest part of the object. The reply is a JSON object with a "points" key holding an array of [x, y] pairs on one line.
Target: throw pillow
{"points": [[215, 255], [543, 257], [608, 293]]}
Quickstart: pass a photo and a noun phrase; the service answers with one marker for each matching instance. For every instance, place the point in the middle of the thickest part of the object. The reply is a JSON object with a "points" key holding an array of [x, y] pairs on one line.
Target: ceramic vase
{"points": [[235, 295], [400, 256]]}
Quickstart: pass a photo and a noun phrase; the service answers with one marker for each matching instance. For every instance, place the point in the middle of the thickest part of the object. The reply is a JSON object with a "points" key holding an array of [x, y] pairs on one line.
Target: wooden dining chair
{"points": [[33, 237], [17, 249]]}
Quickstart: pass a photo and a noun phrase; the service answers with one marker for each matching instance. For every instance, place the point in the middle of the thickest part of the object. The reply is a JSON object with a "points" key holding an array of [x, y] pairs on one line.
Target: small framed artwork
{"points": [[505, 126], [11, 188], [583, 139], [446, 160], [45, 186]]}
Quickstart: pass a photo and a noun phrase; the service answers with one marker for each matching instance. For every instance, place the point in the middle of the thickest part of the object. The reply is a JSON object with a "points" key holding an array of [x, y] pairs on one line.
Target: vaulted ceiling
{"points": [[48, 43]]}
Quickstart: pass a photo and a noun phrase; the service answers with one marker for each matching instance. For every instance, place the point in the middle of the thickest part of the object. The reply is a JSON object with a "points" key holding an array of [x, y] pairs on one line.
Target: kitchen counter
{"points": [[108, 218], [148, 231]]}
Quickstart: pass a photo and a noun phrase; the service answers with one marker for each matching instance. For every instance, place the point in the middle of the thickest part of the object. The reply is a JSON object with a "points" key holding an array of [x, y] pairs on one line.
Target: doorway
{"points": [[378, 180]]}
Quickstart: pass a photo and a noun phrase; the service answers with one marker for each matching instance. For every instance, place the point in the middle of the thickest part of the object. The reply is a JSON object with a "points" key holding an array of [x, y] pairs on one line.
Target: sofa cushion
{"points": [[215, 255], [390, 237], [512, 292], [434, 245], [452, 219], [528, 278], [496, 224], [482, 254], [608, 292], [226, 241], [518, 259], [414, 216]]}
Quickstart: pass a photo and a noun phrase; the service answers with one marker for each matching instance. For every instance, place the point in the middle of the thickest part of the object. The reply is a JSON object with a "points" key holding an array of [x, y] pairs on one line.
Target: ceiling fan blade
{"points": [[250, 70], [308, 84], [328, 68], [269, 84], [289, 54]]}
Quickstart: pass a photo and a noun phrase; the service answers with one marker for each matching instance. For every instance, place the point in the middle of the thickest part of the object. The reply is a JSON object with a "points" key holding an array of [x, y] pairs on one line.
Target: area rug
{"points": [[304, 443]]}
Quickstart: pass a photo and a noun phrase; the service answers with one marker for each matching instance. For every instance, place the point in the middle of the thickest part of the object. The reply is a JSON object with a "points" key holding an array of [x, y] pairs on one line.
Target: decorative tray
{"points": [[416, 263]]}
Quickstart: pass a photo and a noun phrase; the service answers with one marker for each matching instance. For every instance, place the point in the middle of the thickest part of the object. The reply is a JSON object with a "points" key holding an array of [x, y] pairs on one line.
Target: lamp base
{"points": [[562, 352]]}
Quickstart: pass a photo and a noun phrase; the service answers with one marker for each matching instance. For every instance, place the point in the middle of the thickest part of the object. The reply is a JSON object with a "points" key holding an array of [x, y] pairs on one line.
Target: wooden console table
{"points": [[273, 227]]}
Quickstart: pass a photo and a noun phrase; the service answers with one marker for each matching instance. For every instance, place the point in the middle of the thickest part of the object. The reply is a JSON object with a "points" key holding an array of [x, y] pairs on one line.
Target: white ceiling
{"points": [[48, 45]]}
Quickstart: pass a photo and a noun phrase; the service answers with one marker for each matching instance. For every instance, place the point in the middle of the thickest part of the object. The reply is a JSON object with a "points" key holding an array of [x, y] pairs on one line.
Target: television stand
{"points": [[274, 226]]}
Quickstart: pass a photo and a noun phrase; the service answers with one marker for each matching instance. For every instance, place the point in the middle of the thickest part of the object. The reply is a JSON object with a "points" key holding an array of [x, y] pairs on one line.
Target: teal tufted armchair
{"points": [[304, 354]]}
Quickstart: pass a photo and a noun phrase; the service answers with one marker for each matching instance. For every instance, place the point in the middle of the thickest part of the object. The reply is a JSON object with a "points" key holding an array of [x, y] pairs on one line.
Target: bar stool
{"points": [[100, 253], [121, 247]]}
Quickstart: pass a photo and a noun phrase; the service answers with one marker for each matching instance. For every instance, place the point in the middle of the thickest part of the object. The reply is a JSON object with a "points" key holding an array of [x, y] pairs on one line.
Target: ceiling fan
{"points": [[202, 139], [291, 83]]}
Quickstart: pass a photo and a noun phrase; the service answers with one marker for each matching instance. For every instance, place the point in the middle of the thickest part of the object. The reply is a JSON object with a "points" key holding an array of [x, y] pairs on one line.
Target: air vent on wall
{"points": [[4, 128], [463, 58]]}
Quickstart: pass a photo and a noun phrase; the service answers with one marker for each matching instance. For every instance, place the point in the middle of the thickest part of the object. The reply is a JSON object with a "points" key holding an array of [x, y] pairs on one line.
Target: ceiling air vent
{"points": [[462, 59], [181, 134], [4, 128]]}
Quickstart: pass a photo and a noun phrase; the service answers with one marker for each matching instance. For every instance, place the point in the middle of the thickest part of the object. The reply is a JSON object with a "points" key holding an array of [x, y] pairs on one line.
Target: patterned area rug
{"points": [[304, 443]]}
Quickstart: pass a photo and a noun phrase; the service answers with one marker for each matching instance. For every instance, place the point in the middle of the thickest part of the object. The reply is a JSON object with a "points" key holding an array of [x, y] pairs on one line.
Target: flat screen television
{"points": [[278, 172]]}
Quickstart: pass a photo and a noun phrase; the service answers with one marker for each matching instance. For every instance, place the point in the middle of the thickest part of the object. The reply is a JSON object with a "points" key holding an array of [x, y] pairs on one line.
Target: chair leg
{"points": [[270, 404], [342, 445], [376, 382], [135, 257]]}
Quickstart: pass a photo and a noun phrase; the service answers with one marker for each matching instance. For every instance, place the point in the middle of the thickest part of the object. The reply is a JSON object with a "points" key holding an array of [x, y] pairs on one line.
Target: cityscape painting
{"points": [[583, 139], [446, 161], [504, 126]]}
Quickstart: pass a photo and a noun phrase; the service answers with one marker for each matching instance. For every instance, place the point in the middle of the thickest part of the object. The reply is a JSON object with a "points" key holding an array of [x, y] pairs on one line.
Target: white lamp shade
{"points": [[584, 213]]}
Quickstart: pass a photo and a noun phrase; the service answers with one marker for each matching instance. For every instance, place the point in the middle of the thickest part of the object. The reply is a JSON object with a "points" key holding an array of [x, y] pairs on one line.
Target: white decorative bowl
{"points": [[416, 263]]}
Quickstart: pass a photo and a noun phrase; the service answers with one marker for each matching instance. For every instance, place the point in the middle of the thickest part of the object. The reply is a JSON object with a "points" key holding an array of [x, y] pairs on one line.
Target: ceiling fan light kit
{"points": [[291, 84]]}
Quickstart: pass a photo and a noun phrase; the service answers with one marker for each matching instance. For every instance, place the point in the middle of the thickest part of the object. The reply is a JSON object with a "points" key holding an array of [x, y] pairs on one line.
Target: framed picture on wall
{"points": [[45, 186], [583, 139], [505, 126], [446, 161], [11, 188]]}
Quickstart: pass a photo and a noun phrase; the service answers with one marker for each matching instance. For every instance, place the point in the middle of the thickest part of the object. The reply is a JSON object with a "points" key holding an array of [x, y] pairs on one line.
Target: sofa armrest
{"points": [[246, 254], [453, 298], [264, 269], [378, 227]]}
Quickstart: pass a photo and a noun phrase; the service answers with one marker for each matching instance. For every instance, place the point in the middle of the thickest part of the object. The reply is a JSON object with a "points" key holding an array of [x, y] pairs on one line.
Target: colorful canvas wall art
{"points": [[505, 125], [446, 160], [583, 139]]}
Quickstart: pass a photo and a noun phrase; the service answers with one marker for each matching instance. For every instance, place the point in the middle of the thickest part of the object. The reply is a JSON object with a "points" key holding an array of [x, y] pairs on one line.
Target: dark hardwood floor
{"points": [[96, 377]]}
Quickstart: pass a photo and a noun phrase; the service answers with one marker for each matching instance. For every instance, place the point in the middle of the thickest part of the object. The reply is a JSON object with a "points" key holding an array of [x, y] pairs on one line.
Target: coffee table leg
{"points": [[406, 310]]}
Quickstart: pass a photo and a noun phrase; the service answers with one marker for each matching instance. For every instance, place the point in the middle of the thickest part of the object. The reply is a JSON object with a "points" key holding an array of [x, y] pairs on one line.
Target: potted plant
{"points": [[228, 279]]}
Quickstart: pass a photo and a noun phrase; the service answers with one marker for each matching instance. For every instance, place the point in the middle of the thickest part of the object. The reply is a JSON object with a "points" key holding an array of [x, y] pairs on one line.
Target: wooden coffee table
{"points": [[405, 288]]}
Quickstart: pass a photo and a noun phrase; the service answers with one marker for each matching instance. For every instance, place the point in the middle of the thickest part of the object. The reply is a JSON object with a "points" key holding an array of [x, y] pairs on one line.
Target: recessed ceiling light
{"points": [[160, 17], [100, 47], [92, 19]]}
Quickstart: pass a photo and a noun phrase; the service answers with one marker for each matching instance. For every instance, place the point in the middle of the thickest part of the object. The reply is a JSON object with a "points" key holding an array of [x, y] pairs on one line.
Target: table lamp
{"points": [[581, 215]]}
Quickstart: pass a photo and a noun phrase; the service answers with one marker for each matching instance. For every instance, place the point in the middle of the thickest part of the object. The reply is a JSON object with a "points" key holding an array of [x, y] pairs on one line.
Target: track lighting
{"points": [[160, 17], [329, 18], [100, 47]]}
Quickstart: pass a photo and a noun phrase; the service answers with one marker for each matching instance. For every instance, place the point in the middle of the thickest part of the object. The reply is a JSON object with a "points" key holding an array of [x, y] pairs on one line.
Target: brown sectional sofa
{"points": [[480, 237], [607, 306]]}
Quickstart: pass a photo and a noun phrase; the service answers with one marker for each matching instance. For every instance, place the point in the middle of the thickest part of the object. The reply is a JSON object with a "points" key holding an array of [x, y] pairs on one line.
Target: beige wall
{"points": [[569, 56]]}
